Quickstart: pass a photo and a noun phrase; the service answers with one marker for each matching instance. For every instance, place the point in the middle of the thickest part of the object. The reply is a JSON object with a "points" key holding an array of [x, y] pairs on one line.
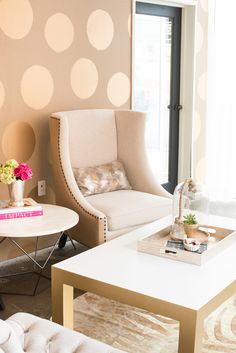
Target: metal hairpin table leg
{"points": [[2, 240], [63, 239], [72, 242], [36, 251], [36, 264]]}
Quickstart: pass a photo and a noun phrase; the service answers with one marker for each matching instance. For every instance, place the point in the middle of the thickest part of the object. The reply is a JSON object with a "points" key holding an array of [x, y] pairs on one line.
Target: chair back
{"points": [[92, 136]]}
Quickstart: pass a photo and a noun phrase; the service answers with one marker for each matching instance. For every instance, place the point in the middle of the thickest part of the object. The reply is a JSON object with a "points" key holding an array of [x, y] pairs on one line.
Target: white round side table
{"points": [[55, 219]]}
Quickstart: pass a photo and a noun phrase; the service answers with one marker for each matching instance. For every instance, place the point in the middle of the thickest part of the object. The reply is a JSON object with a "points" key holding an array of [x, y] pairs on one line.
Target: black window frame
{"points": [[174, 13]]}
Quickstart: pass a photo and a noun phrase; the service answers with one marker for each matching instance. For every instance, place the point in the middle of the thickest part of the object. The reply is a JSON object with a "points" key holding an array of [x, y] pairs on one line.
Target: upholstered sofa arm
{"points": [[9, 341], [90, 230], [132, 152], [40, 335]]}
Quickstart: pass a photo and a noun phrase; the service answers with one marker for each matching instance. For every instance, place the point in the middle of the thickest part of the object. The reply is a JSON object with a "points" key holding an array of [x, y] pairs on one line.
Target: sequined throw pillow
{"points": [[100, 179]]}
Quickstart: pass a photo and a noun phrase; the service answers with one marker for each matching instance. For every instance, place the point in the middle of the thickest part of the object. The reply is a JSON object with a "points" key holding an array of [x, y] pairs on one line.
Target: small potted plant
{"points": [[190, 225]]}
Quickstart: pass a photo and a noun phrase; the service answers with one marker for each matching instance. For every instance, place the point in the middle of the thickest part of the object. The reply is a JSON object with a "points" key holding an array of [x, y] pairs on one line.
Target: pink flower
{"points": [[23, 171]]}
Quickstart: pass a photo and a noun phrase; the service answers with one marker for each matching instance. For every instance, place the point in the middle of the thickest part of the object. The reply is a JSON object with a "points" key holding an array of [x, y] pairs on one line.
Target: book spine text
{"points": [[20, 214]]}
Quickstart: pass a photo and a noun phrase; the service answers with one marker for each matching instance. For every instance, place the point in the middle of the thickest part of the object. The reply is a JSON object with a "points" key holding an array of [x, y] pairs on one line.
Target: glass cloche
{"points": [[190, 209]]}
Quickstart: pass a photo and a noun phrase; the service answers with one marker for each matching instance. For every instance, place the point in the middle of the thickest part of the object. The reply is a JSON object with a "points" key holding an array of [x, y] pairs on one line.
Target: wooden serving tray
{"points": [[156, 244]]}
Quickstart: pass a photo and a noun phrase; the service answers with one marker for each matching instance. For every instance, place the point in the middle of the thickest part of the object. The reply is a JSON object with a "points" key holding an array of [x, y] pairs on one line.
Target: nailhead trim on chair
{"points": [[59, 150], [105, 229]]}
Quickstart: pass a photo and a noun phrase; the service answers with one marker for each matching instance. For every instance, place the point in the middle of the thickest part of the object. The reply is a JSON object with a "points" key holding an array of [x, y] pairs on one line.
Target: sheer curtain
{"points": [[221, 123]]}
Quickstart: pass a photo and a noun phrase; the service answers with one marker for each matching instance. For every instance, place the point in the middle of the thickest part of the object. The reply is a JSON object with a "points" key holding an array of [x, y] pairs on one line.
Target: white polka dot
{"points": [[2, 94], [202, 86], [129, 25], [204, 5], [59, 32], [84, 78], [196, 126], [100, 29], [16, 18], [118, 89], [201, 170], [199, 37], [37, 87]]}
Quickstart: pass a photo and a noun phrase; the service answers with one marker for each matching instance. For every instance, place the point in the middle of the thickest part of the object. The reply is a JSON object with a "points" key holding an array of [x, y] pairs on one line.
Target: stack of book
{"points": [[30, 209], [178, 244]]}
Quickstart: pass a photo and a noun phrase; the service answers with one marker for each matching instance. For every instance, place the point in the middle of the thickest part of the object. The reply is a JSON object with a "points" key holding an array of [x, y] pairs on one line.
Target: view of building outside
{"points": [[152, 86]]}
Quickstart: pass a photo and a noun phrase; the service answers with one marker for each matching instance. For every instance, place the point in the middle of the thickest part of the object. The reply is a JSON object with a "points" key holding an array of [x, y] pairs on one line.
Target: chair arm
{"points": [[132, 152], [90, 230]]}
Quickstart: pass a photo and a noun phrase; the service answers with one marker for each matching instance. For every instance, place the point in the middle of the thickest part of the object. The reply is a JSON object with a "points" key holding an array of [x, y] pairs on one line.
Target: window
{"points": [[157, 85]]}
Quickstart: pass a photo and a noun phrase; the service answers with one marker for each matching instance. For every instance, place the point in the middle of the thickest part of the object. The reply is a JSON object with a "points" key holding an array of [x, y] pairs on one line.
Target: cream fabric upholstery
{"points": [[132, 152], [36, 335], [9, 342], [115, 233], [93, 137], [129, 208], [118, 135]]}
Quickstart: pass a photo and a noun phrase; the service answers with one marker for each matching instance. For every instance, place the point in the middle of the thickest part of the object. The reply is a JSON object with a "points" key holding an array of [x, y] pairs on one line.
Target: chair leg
{"points": [[2, 306], [62, 241]]}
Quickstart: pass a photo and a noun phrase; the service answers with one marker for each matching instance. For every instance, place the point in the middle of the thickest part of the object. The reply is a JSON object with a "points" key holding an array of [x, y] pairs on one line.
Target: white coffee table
{"points": [[116, 270], [55, 219]]}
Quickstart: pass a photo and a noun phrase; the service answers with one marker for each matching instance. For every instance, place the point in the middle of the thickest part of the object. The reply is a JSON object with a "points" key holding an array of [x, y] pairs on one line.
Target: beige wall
{"points": [[57, 55]]}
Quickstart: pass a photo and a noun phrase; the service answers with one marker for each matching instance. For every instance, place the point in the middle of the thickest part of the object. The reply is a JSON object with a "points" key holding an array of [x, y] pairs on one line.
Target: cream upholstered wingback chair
{"points": [[87, 138]]}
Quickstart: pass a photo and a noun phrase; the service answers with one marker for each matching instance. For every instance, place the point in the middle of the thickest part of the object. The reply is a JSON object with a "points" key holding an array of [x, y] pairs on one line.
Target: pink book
{"points": [[22, 214]]}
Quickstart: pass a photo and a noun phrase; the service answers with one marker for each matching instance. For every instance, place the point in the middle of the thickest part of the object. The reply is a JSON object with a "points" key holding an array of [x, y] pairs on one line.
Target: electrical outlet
{"points": [[41, 187]]}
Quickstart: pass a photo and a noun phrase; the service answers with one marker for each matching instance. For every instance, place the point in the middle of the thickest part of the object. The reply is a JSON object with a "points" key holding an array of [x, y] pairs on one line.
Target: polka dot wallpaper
{"points": [[62, 55], [84, 78], [16, 18], [57, 55], [24, 141], [38, 79], [100, 29], [199, 118], [118, 89], [59, 32], [2, 94]]}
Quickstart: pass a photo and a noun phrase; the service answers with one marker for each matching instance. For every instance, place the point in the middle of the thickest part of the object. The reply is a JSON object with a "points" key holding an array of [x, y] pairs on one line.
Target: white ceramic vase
{"points": [[16, 193]]}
